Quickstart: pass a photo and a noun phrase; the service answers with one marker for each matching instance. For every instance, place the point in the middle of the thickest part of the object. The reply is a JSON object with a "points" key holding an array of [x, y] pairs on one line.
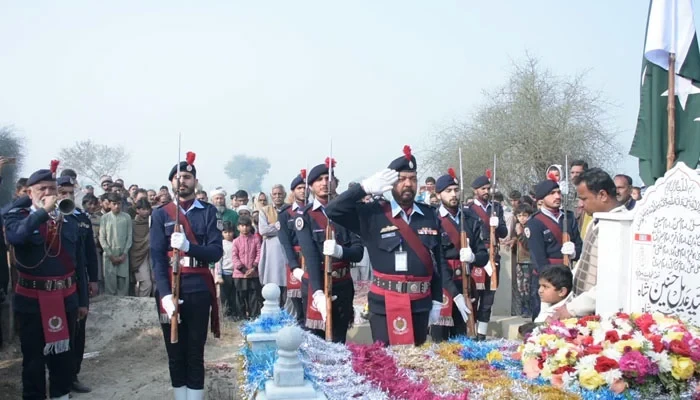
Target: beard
{"points": [[405, 196], [451, 203], [185, 191], [221, 209]]}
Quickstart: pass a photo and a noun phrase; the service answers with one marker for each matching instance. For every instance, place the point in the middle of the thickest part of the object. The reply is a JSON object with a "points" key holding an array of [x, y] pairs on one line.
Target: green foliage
{"points": [[10, 146]]}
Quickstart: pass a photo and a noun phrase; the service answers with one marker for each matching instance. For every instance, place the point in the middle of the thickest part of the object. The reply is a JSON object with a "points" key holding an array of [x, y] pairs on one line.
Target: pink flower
{"points": [[618, 386], [531, 368], [694, 345], [634, 365]]}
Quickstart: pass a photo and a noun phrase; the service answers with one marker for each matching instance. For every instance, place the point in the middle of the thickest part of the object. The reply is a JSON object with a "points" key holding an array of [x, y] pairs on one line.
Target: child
{"points": [[523, 268], [140, 263], [246, 256], [223, 271], [556, 282]]}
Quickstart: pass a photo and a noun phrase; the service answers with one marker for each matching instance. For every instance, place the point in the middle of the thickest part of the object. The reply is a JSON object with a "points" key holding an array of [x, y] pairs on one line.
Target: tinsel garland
{"points": [[421, 363]]}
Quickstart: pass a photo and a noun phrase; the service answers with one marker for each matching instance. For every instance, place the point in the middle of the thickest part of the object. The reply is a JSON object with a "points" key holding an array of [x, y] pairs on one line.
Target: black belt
{"points": [[47, 285], [189, 262], [402, 287], [340, 272]]}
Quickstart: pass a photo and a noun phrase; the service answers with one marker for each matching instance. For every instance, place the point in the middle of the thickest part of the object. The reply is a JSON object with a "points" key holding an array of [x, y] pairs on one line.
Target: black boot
{"points": [[78, 387]]}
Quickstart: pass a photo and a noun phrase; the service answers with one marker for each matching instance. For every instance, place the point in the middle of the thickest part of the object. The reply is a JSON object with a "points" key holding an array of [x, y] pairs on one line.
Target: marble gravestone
{"points": [[665, 248]]}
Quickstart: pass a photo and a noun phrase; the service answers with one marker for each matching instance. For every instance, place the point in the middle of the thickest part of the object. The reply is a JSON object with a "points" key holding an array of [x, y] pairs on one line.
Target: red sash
{"points": [[455, 265], [411, 238], [552, 226], [51, 306], [399, 317], [452, 232], [482, 214], [203, 272]]}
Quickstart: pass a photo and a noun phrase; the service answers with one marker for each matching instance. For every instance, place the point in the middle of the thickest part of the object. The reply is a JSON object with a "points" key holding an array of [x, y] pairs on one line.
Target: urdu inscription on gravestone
{"points": [[665, 247]]}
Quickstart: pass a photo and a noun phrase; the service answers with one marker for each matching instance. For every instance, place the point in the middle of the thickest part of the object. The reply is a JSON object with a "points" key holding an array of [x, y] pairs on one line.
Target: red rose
{"points": [[680, 348], [587, 341], [612, 336], [592, 349], [644, 322], [565, 368], [623, 315], [605, 364], [626, 337], [656, 342], [584, 320]]}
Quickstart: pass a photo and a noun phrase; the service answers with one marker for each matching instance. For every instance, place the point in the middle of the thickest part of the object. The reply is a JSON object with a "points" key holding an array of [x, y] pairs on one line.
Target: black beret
{"points": [[296, 182], [444, 182], [404, 163], [184, 167], [65, 181], [544, 188], [40, 176], [483, 180], [317, 171]]}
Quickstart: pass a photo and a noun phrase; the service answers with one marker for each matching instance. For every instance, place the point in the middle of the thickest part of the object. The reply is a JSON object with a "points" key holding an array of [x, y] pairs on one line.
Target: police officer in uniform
{"points": [[403, 243], [87, 259], [51, 292], [199, 243], [454, 313], [344, 249], [544, 236], [292, 251], [483, 208]]}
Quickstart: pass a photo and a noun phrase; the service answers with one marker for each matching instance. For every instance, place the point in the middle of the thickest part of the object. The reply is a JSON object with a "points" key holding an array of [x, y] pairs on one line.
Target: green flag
{"points": [[670, 29]]}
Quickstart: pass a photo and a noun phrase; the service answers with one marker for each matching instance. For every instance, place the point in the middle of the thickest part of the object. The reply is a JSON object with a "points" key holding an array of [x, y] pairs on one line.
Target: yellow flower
{"points": [[633, 343], [671, 335], [592, 325], [546, 338], [494, 355], [682, 368], [590, 379], [570, 323]]}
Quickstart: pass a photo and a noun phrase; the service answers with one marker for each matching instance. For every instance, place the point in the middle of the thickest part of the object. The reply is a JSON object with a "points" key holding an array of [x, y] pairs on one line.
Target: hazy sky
{"points": [[278, 79]]}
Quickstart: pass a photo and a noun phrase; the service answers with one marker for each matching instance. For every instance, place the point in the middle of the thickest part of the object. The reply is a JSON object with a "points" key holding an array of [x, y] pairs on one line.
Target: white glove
{"points": [[179, 241], [568, 249], [320, 303], [494, 222], [564, 187], [277, 225], [168, 305], [466, 255], [380, 182], [434, 315], [462, 306], [330, 248], [298, 273]]}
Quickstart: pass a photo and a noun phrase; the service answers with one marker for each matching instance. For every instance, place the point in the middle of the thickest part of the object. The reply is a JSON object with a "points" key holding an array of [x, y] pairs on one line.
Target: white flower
{"points": [[586, 362], [612, 375], [662, 360], [606, 325], [532, 349], [569, 378], [598, 336], [612, 353], [584, 330]]}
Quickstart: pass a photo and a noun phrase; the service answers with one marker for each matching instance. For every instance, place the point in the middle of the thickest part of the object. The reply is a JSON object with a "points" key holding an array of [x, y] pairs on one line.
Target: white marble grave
{"points": [[271, 309], [288, 381]]}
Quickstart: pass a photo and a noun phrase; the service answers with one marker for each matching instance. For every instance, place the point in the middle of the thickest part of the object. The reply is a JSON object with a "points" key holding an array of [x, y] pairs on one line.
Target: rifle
{"points": [[328, 261], [492, 232], [464, 242], [12, 275], [565, 231], [176, 255]]}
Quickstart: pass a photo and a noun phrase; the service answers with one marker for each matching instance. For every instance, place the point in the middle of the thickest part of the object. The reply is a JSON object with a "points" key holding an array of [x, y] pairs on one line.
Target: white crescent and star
{"points": [[684, 88]]}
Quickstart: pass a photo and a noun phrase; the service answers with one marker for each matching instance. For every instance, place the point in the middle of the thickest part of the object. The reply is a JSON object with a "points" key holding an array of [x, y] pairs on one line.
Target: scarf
{"points": [[141, 245]]}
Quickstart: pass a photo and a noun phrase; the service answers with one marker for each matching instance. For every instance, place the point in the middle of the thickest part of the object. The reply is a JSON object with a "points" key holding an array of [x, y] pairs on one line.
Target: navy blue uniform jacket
{"points": [[542, 243], [287, 235]]}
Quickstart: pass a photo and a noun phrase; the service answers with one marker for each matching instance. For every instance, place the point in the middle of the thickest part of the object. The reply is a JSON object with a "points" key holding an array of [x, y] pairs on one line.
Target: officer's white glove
{"points": [[298, 273], [466, 255], [568, 249], [320, 303], [494, 222], [330, 248], [434, 315], [462, 307], [380, 182], [179, 241], [168, 305]]}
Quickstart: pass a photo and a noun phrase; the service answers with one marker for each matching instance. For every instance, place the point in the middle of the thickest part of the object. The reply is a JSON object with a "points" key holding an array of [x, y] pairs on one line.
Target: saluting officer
{"points": [[454, 312], [544, 232], [51, 292], [344, 249], [483, 208], [292, 251], [87, 259], [403, 243], [199, 242]]}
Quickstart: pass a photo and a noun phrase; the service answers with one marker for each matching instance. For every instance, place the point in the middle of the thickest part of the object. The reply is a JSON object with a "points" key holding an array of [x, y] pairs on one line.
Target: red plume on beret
{"points": [[54, 166], [552, 177], [189, 157], [407, 152], [488, 173], [303, 174], [330, 162], [452, 173]]}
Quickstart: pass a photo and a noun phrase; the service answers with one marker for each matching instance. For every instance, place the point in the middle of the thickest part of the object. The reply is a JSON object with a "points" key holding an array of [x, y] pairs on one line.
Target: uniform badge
{"points": [[527, 232], [299, 223], [410, 164], [400, 325], [220, 224], [55, 324], [445, 300], [189, 168], [388, 228]]}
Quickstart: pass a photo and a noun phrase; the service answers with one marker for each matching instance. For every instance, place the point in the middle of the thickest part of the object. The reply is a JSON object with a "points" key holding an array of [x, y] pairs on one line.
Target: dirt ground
{"points": [[125, 355]]}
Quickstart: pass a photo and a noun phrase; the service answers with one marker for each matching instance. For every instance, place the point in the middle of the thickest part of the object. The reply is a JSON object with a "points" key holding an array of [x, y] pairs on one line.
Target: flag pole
{"points": [[671, 110]]}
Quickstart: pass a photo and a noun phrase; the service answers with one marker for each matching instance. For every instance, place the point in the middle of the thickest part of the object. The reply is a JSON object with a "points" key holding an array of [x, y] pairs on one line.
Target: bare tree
{"points": [[10, 146], [529, 123], [249, 171], [91, 160]]}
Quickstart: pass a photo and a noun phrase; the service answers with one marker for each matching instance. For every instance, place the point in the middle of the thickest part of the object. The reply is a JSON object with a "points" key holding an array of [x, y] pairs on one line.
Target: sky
{"points": [[282, 79]]}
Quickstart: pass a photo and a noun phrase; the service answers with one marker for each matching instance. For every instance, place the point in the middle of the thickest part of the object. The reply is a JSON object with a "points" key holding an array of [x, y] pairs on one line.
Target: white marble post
{"points": [[271, 309], [614, 262], [288, 373]]}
